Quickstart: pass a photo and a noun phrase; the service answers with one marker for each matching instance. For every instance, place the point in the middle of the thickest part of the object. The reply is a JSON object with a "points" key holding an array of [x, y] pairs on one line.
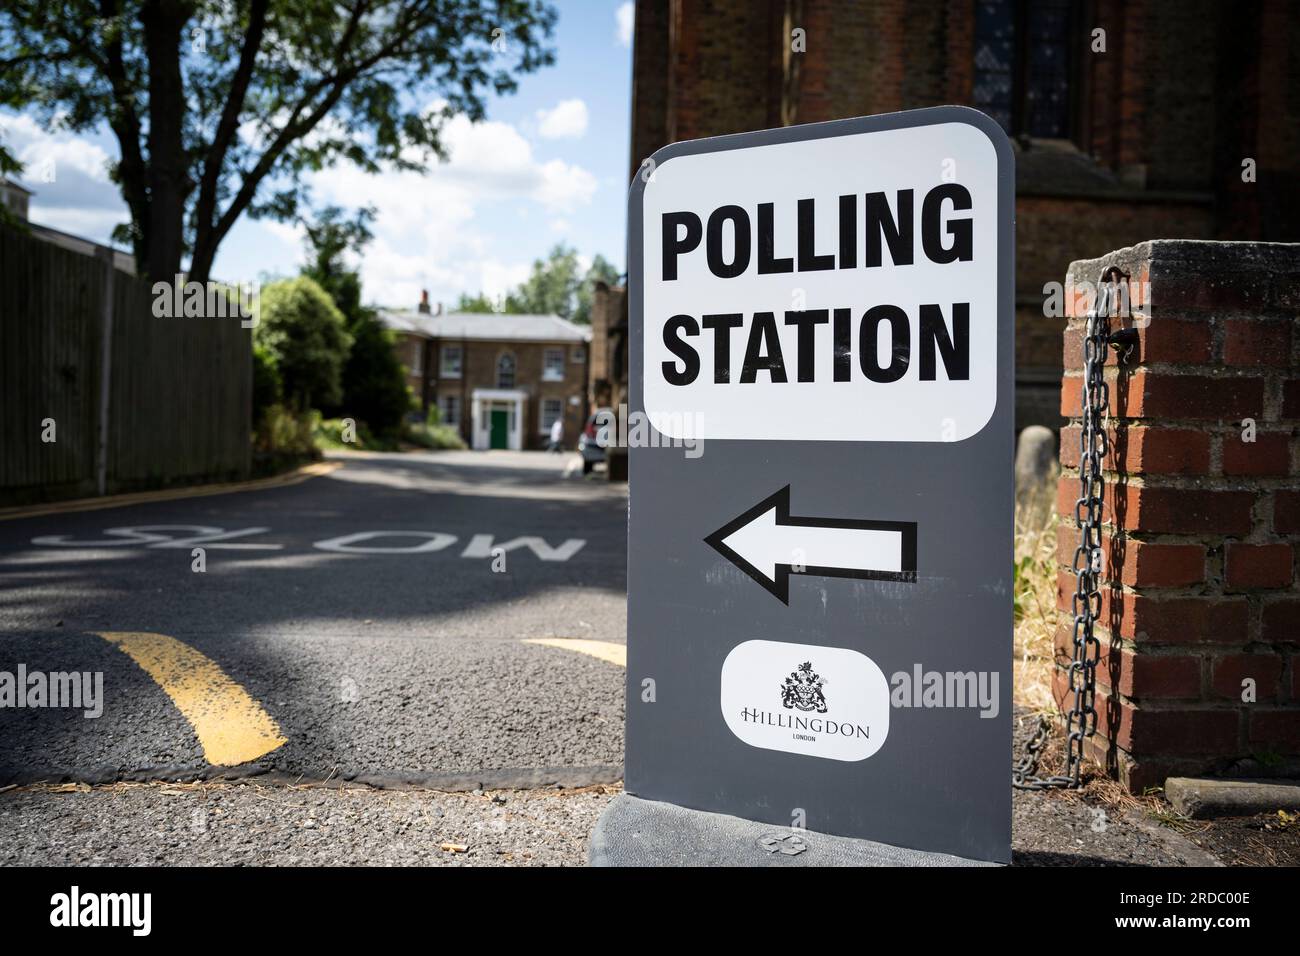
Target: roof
{"points": [[497, 326], [124, 261]]}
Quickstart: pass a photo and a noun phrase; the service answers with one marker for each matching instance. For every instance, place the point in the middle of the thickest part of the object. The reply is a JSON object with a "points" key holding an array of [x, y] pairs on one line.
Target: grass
{"points": [[1034, 590], [1036, 620]]}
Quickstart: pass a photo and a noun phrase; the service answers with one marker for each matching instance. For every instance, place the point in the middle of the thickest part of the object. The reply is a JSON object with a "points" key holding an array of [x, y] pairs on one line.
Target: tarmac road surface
{"points": [[315, 641]]}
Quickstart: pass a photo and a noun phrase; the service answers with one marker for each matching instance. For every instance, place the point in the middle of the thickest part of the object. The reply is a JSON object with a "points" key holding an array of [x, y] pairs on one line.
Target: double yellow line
{"points": [[232, 727], [605, 650]]}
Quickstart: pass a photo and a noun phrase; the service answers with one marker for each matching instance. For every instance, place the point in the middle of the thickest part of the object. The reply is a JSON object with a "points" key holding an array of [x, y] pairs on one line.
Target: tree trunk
{"points": [[169, 184]]}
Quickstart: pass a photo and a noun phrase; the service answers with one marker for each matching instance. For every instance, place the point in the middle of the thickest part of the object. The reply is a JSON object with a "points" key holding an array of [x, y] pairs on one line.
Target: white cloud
{"points": [[292, 234], [625, 17], [564, 186], [494, 161], [425, 225], [68, 176], [567, 120]]}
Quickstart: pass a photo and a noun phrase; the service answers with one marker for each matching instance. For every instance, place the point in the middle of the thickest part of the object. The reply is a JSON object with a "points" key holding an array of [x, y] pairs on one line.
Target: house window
{"points": [[451, 361], [1024, 64], [417, 357], [553, 365], [506, 371], [449, 410], [577, 355], [552, 408]]}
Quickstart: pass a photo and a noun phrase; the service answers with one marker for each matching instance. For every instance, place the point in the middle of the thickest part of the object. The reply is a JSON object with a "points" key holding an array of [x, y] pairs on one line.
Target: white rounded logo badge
{"points": [[827, 702]]}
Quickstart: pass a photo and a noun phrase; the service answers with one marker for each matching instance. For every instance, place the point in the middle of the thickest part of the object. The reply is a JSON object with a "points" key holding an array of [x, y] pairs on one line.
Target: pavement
{"points": [[411, 658], [251, 825]]}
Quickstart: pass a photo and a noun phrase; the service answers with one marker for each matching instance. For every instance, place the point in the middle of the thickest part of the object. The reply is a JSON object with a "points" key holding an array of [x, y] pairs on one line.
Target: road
{"points": [[414, 658], [375, 619]]}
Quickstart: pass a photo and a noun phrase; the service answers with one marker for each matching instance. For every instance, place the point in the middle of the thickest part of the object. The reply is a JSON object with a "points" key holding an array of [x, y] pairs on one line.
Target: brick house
{"points": [[501, 379], [1142, 131]]}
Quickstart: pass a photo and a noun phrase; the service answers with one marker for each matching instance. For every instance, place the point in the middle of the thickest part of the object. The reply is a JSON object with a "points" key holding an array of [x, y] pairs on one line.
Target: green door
{"points": [[500, 429]]}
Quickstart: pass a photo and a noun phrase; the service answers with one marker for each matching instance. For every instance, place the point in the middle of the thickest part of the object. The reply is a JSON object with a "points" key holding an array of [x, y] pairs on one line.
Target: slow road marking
{"points": [[232, 727], [606, 650]]}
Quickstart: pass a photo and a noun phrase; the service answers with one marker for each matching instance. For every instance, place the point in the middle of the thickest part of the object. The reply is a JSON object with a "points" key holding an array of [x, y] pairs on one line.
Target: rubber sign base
{"points": [[636, 832]]}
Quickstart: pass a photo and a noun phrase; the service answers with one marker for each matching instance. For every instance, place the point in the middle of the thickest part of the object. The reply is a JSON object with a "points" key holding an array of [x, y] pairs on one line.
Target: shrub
{"points": [[267, 388], [374, 381], [329, 434], [433, 434], [304, 335], [283, 439]]}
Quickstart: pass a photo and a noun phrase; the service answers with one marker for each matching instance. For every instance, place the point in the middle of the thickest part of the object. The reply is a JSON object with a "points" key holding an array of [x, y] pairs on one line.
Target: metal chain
{"points": [[1081, 721]]}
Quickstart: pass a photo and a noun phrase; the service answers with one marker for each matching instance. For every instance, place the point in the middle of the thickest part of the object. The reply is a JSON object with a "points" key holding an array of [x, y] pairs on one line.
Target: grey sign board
{"points": [[821, 510]]}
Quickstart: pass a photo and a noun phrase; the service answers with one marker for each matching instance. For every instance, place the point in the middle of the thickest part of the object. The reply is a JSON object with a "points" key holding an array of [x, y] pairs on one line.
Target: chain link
{"points": [[1081, 721]]}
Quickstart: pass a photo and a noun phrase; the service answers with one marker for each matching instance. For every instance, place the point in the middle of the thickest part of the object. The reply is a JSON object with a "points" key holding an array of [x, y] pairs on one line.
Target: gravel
{"points": [[252, 825]]}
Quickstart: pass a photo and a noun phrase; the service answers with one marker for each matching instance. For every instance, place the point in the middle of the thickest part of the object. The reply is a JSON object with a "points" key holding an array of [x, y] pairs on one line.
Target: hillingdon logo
{"points": [[803, 690], [834, 704]]}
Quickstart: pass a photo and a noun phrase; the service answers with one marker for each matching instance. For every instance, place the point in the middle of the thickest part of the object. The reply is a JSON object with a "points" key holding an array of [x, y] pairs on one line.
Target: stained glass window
{"points": [[1023, 64]]}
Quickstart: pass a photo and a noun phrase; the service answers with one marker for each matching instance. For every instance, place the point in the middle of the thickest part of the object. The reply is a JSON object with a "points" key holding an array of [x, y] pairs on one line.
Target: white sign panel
{"points": [[779, 696], [835, 289]]}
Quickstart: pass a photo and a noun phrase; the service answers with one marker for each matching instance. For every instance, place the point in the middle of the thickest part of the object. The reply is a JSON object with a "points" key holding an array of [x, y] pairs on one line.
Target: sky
{"points": [[549, 164]]}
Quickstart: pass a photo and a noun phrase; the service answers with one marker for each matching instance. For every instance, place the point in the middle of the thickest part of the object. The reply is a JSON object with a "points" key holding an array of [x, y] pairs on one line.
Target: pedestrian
{"points": [[557, 436]]}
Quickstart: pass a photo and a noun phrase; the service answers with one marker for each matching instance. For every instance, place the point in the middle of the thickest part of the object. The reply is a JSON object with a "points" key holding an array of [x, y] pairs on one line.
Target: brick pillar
{"points": [[1202, 515]]}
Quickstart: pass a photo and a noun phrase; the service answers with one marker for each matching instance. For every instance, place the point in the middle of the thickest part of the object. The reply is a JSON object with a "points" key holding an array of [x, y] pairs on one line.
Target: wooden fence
{"points": [[167, 403]]}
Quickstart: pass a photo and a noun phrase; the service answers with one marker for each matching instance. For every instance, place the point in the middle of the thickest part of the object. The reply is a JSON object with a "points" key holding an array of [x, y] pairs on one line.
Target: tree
{"points": [[329, 237], [220, 107], [305, 335], [602, 270], [373, 381], [475, 303], [551, 287]]}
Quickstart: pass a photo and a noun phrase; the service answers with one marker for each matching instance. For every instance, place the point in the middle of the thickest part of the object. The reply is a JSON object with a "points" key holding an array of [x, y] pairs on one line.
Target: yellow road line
{"points": [[170, 494], [232, 727], [606, 650]]}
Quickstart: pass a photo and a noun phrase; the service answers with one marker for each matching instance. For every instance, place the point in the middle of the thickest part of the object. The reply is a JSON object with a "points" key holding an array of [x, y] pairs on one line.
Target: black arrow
{"points": [[764, 540]]}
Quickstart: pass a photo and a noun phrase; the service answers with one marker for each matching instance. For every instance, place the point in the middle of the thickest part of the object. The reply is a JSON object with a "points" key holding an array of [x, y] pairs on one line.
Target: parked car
{"points": [[589, 444]]}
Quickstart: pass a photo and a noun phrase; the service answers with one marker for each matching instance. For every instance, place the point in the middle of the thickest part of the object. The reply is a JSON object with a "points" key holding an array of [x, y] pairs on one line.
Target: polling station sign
{"points": [[819, 594]]}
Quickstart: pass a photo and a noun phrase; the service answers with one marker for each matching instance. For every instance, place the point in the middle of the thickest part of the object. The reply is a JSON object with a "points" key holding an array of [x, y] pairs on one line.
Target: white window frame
{"points": [[452, 420], [546, 421], [417, 361], [552, 371], [514, 370], [443, 369]]}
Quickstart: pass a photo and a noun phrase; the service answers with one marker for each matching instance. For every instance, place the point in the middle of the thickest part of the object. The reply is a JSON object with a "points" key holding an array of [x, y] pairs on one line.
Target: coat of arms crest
{"points": [[802, 690]]}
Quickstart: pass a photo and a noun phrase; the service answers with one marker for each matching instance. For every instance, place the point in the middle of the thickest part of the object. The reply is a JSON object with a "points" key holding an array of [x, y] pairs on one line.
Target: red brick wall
{"points": [[1051, 230], [1184, 91], [1202, 526]]}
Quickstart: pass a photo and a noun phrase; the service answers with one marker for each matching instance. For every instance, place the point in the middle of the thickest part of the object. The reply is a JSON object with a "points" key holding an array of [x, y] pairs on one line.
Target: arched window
{"points": [[1026, 61], [506, 371]]}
